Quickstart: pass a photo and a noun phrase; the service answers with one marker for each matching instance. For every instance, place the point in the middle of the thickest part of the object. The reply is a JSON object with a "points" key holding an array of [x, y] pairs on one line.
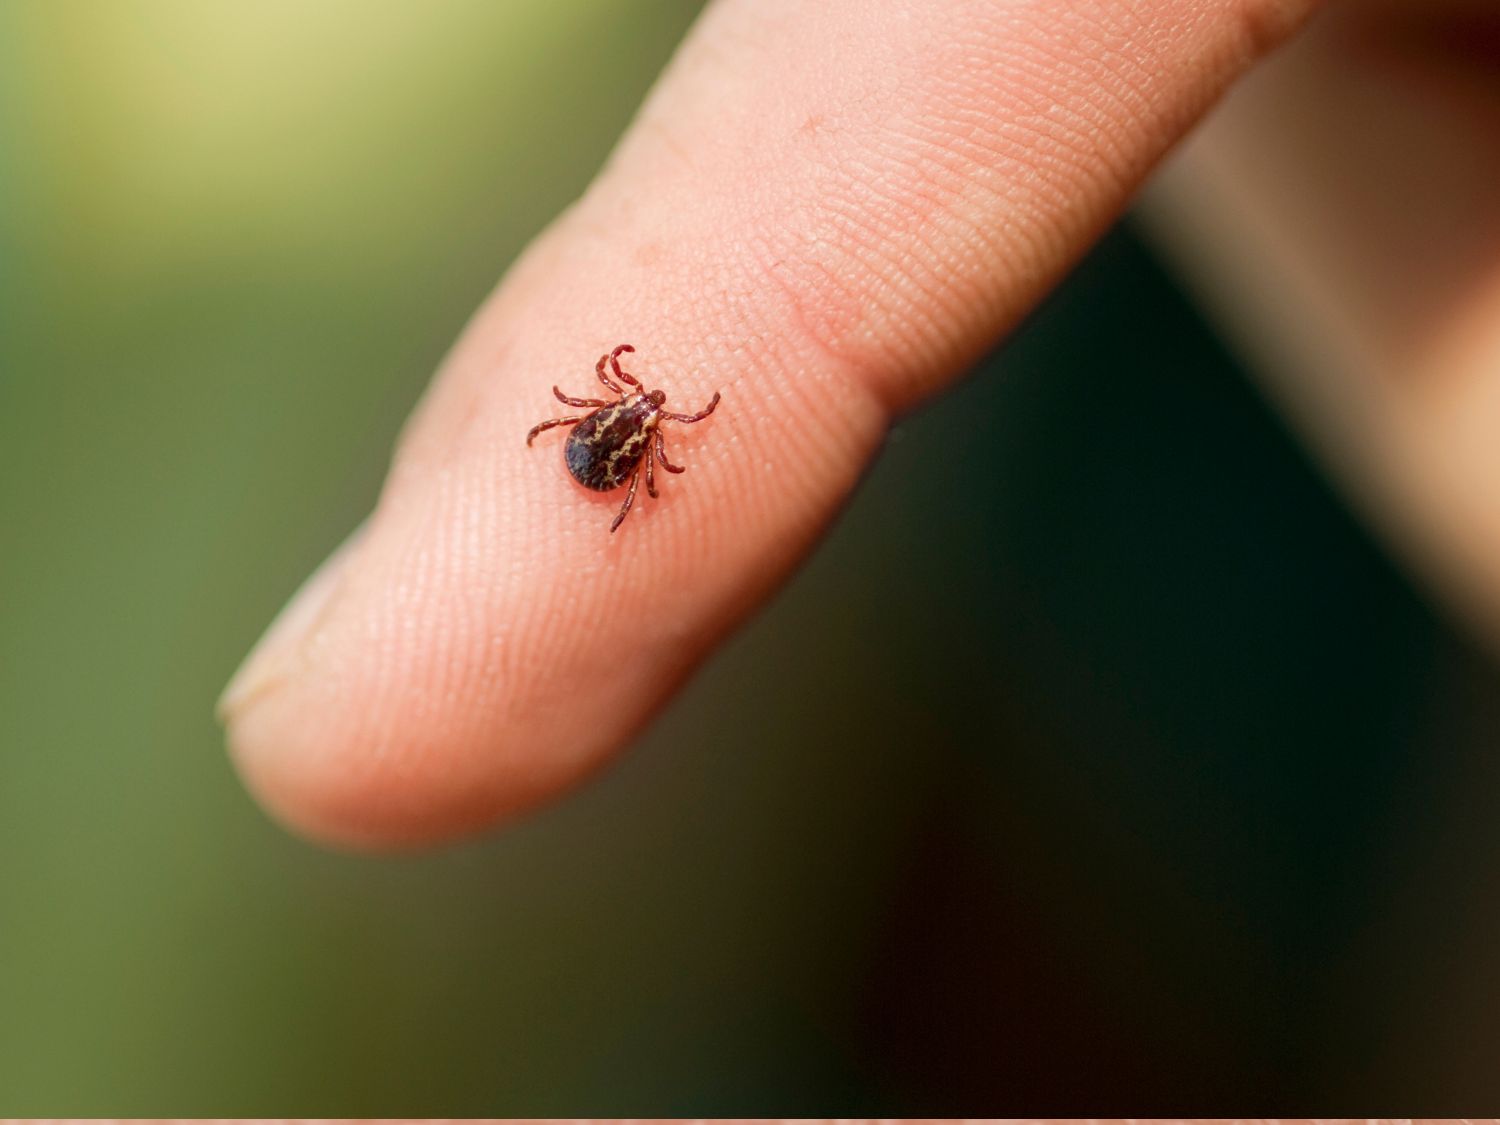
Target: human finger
{"points": [[823, 213], [1341, 212]]}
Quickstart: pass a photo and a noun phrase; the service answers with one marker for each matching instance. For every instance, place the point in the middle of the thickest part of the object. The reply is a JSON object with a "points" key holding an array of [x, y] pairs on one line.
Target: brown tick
{"points": [[611, 441]]}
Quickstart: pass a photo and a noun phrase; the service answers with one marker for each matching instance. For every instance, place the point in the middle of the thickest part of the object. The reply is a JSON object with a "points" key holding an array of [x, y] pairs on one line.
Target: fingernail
{"points": [[275, 654]]}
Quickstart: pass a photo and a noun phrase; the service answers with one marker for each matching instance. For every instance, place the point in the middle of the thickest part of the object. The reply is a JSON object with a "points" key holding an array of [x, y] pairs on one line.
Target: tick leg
{"points": [[661, 455], [698, 417], [613, 359], [605, 379], [650, 473], [629, 499], [578, 401], [614, 362], [549, 424]]}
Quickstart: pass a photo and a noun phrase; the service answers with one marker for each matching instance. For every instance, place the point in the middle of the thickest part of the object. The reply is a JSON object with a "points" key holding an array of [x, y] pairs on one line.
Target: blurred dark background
{"points": [[1100, 760]]}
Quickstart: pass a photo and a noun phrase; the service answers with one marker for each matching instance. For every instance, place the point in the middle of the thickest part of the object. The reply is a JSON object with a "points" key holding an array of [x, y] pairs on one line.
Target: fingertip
{"points": [[384, 719], [418, 783], [344, 809]]}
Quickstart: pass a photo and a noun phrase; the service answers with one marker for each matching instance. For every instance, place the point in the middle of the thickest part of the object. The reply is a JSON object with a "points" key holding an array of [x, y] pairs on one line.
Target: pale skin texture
{"points": [[826, 212]]}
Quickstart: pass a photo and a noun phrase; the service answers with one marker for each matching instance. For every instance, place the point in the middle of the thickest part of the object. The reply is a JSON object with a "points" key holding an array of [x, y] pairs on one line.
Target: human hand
{"points": [[1343, 209], [826, 213]]}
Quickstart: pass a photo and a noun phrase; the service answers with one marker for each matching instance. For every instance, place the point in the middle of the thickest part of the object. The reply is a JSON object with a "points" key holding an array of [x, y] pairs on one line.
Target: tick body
{"points": [[615, 442]]}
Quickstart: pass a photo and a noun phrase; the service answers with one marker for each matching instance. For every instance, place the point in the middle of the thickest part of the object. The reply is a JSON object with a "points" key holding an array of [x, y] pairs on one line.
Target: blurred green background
{"points": [[1098, 761]]}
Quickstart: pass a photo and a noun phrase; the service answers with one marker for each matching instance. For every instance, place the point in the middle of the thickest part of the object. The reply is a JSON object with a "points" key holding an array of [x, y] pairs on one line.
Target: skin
{"points": [[828, 212], [1355, 178]]}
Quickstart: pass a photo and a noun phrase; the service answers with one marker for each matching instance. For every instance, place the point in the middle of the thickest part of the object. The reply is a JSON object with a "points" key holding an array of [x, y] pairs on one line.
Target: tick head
{"points": [[657, 398]]}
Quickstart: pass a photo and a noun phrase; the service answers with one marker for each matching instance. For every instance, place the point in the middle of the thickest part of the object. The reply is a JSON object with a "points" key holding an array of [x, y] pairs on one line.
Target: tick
{"points": [[616, 440]]}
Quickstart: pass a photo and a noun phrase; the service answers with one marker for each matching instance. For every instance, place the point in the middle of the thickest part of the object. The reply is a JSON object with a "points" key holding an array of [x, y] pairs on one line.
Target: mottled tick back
{"points": [[612, 444]]}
